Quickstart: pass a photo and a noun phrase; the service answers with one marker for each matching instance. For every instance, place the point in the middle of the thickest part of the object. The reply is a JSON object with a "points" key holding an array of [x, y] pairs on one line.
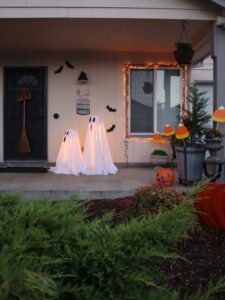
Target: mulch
{"points": [[203, 252]]}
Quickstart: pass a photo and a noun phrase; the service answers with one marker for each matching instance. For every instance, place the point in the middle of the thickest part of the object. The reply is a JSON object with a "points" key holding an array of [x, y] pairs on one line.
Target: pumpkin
{"points": [[165, 176], [210, 203]]}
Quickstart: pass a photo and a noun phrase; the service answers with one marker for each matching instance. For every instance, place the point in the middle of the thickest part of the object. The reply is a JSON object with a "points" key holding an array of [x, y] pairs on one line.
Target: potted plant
{"points": [[190, 151], [213, 137], [159, 157], [184, 52]]}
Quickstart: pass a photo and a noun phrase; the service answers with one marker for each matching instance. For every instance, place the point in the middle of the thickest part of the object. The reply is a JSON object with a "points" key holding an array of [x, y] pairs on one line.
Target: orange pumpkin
{"points": [[211, 204], [165, 176]]}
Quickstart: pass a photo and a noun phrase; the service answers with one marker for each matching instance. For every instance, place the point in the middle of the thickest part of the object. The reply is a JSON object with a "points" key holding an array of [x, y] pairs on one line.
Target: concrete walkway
{"points": [[58, 187]]}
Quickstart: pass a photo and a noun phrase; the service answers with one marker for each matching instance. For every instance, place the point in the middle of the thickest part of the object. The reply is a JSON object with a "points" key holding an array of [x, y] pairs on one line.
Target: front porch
{"points": [[59, 187]]}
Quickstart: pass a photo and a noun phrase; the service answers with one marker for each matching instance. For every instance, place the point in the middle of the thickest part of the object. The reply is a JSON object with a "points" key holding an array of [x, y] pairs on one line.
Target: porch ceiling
{"points": [[19, 35]]}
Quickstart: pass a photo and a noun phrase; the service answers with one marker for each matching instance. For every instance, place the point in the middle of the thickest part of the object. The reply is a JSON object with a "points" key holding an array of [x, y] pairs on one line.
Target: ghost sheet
{"points": [[97, 159], [69, 159]]}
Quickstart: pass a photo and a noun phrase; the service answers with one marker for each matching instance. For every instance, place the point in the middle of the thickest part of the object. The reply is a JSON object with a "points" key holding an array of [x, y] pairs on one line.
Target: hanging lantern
{"points": [[181, 132], [168, 130], [219, 114]]}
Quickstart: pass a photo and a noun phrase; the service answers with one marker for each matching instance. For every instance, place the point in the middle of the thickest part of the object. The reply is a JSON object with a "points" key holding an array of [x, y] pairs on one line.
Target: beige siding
{"points": [[203, 71], [105, 73]]}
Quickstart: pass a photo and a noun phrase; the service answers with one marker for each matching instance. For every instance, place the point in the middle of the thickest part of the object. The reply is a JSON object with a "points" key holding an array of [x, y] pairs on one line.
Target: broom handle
{"points": [[24, 114]]}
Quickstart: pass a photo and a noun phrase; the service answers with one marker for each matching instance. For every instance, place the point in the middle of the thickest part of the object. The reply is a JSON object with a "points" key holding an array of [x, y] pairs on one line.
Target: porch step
{"points": [[58, 187], [25, 164]]}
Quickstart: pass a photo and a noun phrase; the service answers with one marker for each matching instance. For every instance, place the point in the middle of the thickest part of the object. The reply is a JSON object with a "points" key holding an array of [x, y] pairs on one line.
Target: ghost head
{"points": [[69, 158], [97, 158]]}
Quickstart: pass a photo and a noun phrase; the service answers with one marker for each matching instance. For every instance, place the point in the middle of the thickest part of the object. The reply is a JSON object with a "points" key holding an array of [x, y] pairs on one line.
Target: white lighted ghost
{"points": [[69, 158], [97, 158]]}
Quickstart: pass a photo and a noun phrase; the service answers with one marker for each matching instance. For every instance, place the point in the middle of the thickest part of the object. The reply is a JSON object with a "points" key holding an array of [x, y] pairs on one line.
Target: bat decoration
{"points": [[59, 70], [111, 128], [110, 108], [69, 65]]}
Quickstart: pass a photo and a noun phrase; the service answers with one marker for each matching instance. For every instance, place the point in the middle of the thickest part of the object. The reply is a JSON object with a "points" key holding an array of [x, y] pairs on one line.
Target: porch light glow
{"points": [[168, 130], [182, 132], [219, 114]]}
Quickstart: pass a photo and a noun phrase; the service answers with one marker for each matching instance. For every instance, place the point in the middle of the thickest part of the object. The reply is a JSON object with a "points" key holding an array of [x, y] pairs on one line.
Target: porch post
{"points": [[219, 65], [219, 75]]}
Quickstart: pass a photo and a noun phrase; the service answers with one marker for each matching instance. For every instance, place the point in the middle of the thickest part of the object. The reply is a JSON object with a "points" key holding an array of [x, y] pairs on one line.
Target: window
{"points": [[154, 96]]}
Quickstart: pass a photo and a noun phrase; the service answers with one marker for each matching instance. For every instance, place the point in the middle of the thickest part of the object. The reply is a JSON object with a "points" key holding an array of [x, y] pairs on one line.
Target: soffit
{"points": [[25, 35]]}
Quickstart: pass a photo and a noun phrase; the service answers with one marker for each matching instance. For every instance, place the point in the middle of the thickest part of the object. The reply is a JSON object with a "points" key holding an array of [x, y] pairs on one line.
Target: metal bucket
{"points": [[193, 158]]}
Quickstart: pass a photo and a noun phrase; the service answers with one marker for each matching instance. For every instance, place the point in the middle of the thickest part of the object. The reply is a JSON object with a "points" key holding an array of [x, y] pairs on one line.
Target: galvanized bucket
{"points": [[190, 163]]}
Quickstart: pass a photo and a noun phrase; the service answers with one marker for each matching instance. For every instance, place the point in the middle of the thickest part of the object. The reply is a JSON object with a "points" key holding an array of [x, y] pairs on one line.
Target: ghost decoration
{"points": [[97, 159], [69, 158]]}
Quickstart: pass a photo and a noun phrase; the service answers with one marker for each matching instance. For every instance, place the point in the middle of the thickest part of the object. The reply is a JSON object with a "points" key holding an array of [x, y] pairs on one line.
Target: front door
{"points": [[25, 113]]}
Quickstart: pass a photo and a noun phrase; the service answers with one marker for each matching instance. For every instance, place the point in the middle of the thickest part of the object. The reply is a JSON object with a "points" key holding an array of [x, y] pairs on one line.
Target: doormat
{"points": [[23, 170]]}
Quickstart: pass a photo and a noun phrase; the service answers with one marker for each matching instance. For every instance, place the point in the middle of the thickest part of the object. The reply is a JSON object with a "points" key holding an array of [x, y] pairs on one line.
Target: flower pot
{"points": [[212, 163], [213, 144], [190, 163], [159, 160], [184, 53]]}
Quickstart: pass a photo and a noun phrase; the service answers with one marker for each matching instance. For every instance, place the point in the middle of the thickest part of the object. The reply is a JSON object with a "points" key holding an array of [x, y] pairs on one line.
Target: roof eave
{"points": [[219, 2]]}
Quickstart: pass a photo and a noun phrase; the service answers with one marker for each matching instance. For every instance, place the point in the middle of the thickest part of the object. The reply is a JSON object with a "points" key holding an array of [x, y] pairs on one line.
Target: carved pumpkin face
{"points": [[165, 176]]}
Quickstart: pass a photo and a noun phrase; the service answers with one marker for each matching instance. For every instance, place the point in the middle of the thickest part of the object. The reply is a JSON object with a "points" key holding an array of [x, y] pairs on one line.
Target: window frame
{"points": [[155, 68]]}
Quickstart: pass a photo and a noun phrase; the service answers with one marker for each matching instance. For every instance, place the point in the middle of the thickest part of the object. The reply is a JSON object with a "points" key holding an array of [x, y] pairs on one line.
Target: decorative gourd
{"points": [[165, 176], [211, 204]]}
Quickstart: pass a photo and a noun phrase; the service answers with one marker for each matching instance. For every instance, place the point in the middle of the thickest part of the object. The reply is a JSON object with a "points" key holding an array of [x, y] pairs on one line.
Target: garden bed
{"points": [[204, 251], [69, 250]]}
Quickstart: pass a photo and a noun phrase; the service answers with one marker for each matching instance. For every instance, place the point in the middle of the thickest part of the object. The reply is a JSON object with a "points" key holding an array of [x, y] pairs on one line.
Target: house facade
{"points": [[124, 48]]}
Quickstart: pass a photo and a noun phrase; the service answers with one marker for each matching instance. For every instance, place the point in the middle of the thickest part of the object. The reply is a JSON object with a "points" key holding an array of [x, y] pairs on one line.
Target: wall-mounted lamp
{"points": [[82, 78]]}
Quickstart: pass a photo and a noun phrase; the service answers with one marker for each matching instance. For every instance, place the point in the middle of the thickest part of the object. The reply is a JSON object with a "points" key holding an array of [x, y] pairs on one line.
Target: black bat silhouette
{"points": [[59, 70], [69, 65], [111, 128], [110, 108]]}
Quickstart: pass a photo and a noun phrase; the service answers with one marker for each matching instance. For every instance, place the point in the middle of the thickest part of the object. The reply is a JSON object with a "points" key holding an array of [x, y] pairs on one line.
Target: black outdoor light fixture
{"points": [[82, 78], [184, 51]]}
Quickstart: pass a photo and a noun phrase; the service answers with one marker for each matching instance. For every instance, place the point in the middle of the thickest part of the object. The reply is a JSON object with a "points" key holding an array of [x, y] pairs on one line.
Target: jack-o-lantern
{"points": [[210, 202], [165, 176]]}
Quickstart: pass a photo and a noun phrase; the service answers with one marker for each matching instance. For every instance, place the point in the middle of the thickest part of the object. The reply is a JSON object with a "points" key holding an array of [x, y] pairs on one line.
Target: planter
{"points": [[159, 160], [184, 53], [213, 145], [190, 163], [213, 165]]}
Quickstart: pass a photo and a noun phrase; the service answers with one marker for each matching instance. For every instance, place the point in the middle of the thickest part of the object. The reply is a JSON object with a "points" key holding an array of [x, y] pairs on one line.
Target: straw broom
{"points": [[23, 145]]}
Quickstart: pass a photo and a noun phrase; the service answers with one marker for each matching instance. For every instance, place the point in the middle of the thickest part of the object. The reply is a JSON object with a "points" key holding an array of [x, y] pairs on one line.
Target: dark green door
{"points": [[25, 113]]}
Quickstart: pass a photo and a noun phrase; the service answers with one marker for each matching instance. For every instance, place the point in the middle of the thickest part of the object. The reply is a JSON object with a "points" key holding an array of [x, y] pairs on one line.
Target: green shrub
{"points": [[159, 152], [50, 251], [152, 199]]}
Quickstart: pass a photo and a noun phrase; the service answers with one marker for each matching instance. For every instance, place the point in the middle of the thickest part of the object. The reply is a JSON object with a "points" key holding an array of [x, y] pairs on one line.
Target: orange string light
{"points": [[126, 71]]}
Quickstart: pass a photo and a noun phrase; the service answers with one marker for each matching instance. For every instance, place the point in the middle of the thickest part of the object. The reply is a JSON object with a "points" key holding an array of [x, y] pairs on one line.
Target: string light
{"points": [[185, 79], [153, 65]]}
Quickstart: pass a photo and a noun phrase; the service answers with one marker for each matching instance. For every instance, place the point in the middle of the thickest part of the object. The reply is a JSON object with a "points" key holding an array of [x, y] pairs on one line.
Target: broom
{"points": [[23, 145]]}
